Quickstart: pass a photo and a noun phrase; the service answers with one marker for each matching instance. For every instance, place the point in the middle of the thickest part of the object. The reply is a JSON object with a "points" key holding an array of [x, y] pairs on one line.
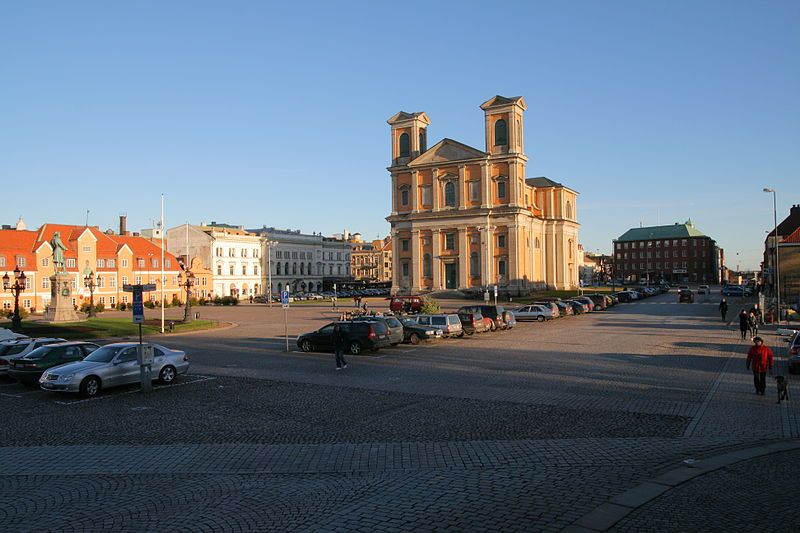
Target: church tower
{"points": [[504, 134], [409, 136]]}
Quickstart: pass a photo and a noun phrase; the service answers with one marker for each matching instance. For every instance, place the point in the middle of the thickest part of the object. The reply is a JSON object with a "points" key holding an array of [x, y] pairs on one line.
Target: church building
{"points": [[468, 219]]}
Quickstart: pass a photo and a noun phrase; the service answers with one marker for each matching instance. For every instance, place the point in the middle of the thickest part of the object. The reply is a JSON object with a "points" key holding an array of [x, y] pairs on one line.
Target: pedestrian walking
{"points": [[752, 322], [744, 324], [365, 307], [333, 302], [723, 309], [339, 342], [756, 310], [759, 360]]}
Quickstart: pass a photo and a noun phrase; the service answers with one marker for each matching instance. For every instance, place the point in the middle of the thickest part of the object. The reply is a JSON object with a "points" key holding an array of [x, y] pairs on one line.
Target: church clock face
{"points": [[65, 291]]}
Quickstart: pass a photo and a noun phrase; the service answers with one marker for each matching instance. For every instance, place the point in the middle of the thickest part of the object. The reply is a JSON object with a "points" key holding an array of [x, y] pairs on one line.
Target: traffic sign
{"points": [[285, 299]]}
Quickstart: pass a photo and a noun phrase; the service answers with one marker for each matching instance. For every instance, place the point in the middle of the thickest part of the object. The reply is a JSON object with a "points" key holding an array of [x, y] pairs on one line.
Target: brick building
{"points": [[676, 253]]}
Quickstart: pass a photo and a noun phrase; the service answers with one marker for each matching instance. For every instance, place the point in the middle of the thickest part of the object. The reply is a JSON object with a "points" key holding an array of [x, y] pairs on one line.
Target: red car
{"points": [[405, 304]]}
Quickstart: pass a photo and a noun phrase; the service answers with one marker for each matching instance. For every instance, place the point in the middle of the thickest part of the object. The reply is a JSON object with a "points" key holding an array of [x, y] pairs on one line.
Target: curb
{"points": [[606, 515]]}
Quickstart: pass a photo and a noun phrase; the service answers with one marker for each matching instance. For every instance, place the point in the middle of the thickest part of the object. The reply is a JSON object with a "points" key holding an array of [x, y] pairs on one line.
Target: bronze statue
{"points": [[58, 252]]}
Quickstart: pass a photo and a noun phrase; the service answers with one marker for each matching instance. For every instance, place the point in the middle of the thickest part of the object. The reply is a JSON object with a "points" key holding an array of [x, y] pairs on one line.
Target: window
{"points": [[405, 269], [278, 269], [302, 269], [2, 262], [124, 280], [45, 282], [125, 298], [449, 241], [244, 270], [474, 191], [87, 248], [501, 267], [286, 268], [112, 282], [294, 268], [26, 303], [112, 263], [101, 263], [450, 194], [404, 197], [230, 269], [137, 280], [426, 195], [140, 262], [219, 270], [404, 245], [153, 263], [231, 252], [683, 242], [405, 145], [501, 241], [500, 133], [278, 255], [427, 266], [71, 263], [244, 252], [501, 189], [123, 263], [568, 213], [101, 282], [422, 143], [45, 262], [255, 270], [167, 263], [474, 264], [112, 300], [666, 254], [21, 261]]}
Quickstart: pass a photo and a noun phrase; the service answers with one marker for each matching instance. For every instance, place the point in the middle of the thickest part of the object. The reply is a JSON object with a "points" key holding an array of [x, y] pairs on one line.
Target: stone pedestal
{"points": [[61, 308]]}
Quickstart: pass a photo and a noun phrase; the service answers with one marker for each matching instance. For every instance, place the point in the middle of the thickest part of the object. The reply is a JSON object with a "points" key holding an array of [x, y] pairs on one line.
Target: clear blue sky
{"points": [[275, 113]]}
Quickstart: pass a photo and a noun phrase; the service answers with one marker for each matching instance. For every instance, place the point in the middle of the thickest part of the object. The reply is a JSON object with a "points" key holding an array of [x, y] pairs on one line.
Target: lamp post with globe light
{"points": [[90, 283], [188, 284], [17, 287]]}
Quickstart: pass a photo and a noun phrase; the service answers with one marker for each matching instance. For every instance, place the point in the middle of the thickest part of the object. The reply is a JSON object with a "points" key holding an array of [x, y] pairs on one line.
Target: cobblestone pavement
{"points": [[765, 500], [525, 430]]}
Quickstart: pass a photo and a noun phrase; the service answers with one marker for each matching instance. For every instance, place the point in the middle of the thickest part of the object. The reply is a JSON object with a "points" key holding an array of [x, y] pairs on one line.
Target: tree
{"points": [[430, 306]]}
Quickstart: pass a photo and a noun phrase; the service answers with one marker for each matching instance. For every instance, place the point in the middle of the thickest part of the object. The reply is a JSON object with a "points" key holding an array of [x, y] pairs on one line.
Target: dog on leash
{"points": [[783, 388]]}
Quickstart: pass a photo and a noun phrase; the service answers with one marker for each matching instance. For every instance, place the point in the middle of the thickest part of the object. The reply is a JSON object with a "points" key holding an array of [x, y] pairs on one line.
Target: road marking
{"points": [[10, 395], [199, 379]]}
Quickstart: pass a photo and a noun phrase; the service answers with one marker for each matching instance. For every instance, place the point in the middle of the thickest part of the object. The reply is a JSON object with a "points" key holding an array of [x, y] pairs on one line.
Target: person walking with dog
{"points": [[744, 324], [752, 321], [723, 309], [759, 360], [339, 342]]}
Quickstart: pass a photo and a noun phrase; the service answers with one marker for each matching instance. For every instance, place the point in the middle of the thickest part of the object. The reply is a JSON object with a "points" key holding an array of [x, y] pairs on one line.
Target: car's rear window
{"points": [[393, 322], [14, 350], [454, 320]]}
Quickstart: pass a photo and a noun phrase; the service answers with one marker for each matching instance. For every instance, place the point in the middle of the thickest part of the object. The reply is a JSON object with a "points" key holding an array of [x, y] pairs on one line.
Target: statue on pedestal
{"points": [[58, 252], [61, 308]]}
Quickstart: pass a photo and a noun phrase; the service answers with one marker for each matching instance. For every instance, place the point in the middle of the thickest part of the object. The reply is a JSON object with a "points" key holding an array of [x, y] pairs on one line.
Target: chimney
{"points": [[123, 224]]}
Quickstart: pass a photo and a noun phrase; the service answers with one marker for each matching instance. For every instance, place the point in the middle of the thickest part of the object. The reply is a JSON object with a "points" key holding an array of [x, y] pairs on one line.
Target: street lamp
{"points": [[89, 283], [777, 264], [16, 288], [187, 311], [270, 244]]}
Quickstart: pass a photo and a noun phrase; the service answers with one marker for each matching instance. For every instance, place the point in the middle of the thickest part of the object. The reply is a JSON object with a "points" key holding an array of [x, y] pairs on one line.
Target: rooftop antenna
{"points": [[87, 218]]}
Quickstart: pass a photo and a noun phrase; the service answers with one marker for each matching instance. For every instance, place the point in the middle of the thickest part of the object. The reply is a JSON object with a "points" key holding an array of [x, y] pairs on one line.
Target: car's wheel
{"points": [[90, 387], [414, 338], [306, 345], [540, 318], [355, 347], [167, 375]]}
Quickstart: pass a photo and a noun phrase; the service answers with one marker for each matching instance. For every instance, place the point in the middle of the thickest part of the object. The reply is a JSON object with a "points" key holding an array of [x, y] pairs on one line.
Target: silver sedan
{"points": [[113, 365], [533, 312]]}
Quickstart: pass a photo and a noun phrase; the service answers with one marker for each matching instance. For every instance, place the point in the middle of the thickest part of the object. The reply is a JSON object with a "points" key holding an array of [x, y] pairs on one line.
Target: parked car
{"points": [[564, 308], [578, 308], [736, 290], [552, 306], [474, 323], [685, 295], [492, 312], [113, 365], [449, 324], [624, 296], [405, 304], [10, 350], [585, 299], [533, 312], [360, 336], [416, 333], [393, 325], [29, 368], [703, 289]]}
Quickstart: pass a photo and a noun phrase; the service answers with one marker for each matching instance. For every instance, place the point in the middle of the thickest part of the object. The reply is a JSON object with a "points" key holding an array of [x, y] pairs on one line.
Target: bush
{"points": [[150, 304], [98, 308], [175, 302], [122, 306], [430, 306], [23, 313]]}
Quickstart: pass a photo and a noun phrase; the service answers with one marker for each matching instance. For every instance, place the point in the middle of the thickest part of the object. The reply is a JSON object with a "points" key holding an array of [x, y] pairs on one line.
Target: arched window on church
{"points": [[278, 272], [422, 142], [474, 265], [450, 194], [500, 133], [405, 145], [536, 243], [568, 211]]}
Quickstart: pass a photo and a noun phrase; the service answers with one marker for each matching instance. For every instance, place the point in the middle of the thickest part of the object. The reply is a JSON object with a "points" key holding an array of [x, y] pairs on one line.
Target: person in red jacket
{"points": [[759, 360]]}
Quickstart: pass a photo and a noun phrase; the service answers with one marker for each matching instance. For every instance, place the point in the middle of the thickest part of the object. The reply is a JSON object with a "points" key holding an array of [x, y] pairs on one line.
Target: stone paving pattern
{"points": [[527, 430]]}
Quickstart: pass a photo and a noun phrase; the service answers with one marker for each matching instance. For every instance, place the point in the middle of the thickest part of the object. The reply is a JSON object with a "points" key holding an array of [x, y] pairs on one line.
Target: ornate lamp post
{"points": [[188, 284], [89, 283], [16, 288]]}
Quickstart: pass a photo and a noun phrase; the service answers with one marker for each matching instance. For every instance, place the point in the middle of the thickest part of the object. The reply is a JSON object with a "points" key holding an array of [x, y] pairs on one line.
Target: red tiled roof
{"points": [[793, 237], [17, 243]]}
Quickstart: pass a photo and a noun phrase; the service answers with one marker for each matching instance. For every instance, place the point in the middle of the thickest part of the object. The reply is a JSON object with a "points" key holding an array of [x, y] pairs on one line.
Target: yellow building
{"points": [[115, 260], [466, 219]]}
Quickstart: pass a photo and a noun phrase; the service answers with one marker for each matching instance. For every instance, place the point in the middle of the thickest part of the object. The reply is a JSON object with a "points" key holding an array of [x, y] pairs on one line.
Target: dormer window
{"points": [[500, 133], [405, 145]]}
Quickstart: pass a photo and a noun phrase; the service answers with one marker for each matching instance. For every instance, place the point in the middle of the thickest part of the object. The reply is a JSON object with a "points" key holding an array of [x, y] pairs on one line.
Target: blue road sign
{"points": [[285, 297], [138, 305]]}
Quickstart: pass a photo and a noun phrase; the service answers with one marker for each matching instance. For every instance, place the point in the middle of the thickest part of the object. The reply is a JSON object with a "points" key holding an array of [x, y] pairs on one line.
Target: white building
{"points": [[232, 254]]}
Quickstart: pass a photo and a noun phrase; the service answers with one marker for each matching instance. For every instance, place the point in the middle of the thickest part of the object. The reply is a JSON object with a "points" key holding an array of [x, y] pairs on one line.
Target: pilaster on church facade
{"points": [[466, 219]]}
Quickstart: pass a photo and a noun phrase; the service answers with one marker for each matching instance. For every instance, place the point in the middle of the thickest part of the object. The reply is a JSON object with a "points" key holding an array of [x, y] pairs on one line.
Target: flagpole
{"points": [[162, 262]]}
